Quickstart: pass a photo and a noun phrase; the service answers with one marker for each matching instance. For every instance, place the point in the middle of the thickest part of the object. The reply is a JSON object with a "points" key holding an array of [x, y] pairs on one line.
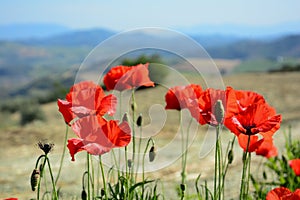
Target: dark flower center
{"points": [[248, 129], [45, 147]]}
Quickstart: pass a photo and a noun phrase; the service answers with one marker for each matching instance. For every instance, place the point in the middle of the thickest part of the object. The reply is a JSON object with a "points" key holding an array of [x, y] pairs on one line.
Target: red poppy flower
{"points": [[256, 118], [179, 97], [97, 137], [267, 149], [122, 77], [295, 165], [11, 198], [247, 98], [86, 98], [283, 193], [205, 109]]}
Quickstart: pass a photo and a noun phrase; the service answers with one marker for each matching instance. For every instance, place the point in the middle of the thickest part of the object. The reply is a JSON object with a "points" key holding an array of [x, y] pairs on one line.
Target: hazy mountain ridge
{"points": [[25, 63]]}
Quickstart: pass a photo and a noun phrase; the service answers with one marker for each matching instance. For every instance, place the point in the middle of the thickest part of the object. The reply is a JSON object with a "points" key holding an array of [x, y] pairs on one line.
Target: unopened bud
{"points": [[129, 163], [152, 154], [83, 195], [102, 192], [34, 179], [182, 187], [139, 120], [219, 111], [133, 106], [125, 118], [230, 156], [41, 168], [265, 175]]}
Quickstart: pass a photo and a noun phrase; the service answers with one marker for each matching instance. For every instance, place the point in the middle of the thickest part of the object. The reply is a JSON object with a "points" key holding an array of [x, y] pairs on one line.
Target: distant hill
{"points": [[26, 31], [287, 46], [25, 63], [73, 38]]}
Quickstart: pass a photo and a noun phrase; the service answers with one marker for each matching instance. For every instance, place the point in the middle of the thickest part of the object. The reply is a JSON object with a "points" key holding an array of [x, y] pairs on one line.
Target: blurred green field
{"points": [[19, 150]]}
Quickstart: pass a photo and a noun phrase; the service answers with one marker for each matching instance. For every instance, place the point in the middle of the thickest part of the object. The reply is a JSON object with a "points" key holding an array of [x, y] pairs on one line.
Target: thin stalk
{"points": [[103, 178], [139, 151], [52, 179], [41, 172], [243, 189], [63, 155], [92, 178], [133, 133], [88, 171], [143, 165], [183, 160]]}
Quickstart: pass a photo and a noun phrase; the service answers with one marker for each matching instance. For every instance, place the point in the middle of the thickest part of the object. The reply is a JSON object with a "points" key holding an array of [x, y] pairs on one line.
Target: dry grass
{"points": [[18, 149]]}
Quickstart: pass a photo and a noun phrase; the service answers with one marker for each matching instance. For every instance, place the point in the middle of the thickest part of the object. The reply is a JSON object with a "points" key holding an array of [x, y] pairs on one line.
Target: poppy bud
{"points": [[41, 168], [152, 154], [182, 187], [219, 111], [34, 179], [133, 106], [102, 192], [125, 118], [83, 195], [139, 120], [265, 175], [230, 156], [129, 163]]}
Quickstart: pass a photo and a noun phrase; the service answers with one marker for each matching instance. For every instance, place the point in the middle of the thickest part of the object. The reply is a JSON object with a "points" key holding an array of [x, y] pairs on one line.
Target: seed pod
{"points": [[139, 120], [230, 156], [83, 195], [219, 111], [152, 154], [34, 179]]}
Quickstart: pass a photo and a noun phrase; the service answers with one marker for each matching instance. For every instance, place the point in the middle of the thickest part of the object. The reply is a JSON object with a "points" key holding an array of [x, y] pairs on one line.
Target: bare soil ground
{"points": [[19, 151]]}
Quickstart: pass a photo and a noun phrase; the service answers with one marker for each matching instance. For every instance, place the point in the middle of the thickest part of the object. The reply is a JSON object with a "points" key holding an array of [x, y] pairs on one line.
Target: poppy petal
{"points": [[295, 165], [64, 108], [254, 143], [75, 145], [278, 193]]}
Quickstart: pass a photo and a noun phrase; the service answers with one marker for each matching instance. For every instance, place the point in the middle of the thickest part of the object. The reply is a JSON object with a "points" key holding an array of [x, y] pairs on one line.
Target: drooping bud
{"points": [[230, 156], [139, 120], [219, 111], [34, 179], [125, 118], [83, 195], [152, 154]]}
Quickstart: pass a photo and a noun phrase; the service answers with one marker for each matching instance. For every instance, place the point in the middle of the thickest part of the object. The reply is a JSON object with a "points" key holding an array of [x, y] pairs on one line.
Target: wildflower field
{"points": [[256, 155]]}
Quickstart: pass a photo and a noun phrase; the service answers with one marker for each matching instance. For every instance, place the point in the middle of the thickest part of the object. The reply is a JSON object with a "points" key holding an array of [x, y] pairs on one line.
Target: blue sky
{"points": [[128, 14]]}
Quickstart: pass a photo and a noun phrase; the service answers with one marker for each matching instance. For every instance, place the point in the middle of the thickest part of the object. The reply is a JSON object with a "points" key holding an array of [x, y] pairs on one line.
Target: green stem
{"points": [[246, 165], [133, 134], [63, 154], [41, 172], [103, 178], [88, 171], [139, 151], [52, 179], [183, 160], [143, 165]]}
